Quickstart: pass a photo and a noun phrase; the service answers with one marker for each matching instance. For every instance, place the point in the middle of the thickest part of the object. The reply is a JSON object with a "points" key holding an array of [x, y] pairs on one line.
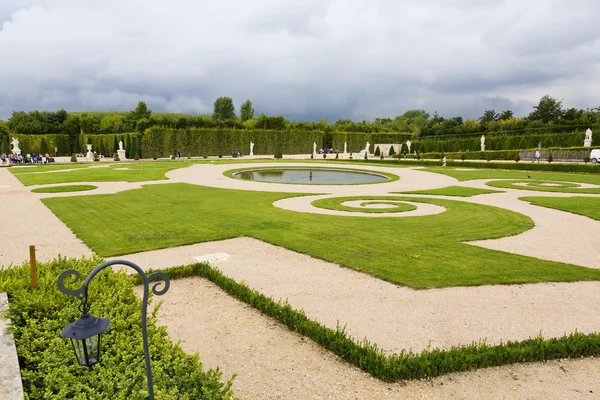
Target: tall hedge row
{"points": [[501, 142], [356, 141], [40, 143], [162, 142]]}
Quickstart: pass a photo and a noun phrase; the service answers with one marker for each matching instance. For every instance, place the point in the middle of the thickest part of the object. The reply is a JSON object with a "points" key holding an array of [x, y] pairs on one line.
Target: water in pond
{"points": [[312, 176]]}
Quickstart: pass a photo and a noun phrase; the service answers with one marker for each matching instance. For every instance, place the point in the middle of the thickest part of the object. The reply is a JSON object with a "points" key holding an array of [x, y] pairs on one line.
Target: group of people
{"points": [[24, 159]]}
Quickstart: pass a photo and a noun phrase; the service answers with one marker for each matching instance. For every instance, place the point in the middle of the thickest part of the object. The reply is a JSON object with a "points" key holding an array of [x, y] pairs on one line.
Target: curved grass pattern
{"points": [[394, 204], [543, 186], [63, 189]]}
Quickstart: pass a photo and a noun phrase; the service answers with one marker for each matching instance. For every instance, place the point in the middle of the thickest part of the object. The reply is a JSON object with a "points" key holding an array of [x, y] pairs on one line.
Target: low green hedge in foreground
{"points": [[406, 365], [48, 366]]}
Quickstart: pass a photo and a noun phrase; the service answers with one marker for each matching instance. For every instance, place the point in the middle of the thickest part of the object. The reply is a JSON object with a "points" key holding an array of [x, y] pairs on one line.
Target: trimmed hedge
{"points": [[406, 365], [48, 366], [162, 142], [356, 141], [42, 143], [578, 168]]}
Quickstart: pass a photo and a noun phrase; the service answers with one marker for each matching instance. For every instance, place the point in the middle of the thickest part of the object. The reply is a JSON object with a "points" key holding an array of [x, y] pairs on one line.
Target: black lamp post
{"points": [[85, 333]]}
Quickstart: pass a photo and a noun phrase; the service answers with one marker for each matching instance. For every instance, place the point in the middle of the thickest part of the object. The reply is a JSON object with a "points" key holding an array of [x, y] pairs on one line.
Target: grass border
{"points": [[406, 365], [64, 189], [510, 184], [391, 177]]}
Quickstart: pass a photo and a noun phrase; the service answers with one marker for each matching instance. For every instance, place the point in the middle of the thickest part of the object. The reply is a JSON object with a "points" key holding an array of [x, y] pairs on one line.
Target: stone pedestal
{"points": [[483, 147], [121, 154], [587, 143]]}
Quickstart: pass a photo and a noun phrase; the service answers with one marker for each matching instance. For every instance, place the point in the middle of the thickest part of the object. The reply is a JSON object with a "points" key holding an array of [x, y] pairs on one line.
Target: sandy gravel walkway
{"points": [[274, 363], [396, 318], [26, 221]]}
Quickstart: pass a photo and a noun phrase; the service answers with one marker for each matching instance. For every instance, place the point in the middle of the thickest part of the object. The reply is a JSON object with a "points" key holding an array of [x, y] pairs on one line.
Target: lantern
{"points": [[85, 336]]}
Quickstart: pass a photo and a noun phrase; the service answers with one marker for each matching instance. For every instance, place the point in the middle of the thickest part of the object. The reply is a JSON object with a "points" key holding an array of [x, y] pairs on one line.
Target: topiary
{"points": [[377, 152], [517, 158], [73, 158], [337, 155], [462, 156], [586, 159], [550, 157], [392, 152], [351, 156], [312, 156], [366, 157], [381, 157]]}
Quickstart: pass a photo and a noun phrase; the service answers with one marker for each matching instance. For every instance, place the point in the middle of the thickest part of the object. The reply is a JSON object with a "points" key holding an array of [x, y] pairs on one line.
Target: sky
{"points": [[303, 59]]}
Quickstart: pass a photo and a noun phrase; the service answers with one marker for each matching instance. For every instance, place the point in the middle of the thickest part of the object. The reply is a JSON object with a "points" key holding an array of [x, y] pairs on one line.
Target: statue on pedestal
{"points": [[345, 147], [482, 143], [408, 143], [367, 148], [15, 144], [251, 148]]}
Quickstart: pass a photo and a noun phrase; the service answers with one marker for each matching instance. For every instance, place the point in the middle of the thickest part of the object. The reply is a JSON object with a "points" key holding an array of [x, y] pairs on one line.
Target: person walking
{"points": [[537, 157]]}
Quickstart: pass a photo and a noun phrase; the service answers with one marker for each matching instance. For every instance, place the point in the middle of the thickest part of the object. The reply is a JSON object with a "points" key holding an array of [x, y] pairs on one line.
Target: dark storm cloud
{"points": [[308, 59]]}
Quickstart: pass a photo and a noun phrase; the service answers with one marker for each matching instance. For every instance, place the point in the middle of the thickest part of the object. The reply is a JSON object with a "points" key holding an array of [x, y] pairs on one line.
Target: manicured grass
{"points": [[335, 203], [27, 169], [463, 175], [135, 172], [539, 186], [391, 177], [420, 252], [61, 189], [587, 206], [458, 191]]}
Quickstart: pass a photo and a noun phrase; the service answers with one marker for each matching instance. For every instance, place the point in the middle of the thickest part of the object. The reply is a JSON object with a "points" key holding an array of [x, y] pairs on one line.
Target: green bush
{"points": [[392, 152], [48, 366], [517, 158], [550, 157], [377, 152], [73, 158]]}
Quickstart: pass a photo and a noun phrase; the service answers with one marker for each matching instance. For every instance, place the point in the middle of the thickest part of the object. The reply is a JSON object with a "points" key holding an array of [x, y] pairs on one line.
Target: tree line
{"points": [[547, 113]]}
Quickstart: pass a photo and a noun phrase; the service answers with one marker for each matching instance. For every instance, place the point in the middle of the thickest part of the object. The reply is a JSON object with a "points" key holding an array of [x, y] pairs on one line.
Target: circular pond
{"points": [[310, 176]]}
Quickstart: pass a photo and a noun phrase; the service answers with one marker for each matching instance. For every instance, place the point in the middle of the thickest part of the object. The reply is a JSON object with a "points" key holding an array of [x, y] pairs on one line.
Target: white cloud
{"points": [[306, 59]]}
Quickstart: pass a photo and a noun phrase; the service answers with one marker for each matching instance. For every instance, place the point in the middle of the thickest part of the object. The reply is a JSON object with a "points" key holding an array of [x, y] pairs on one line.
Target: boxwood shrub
{"points": [[48, 366]]}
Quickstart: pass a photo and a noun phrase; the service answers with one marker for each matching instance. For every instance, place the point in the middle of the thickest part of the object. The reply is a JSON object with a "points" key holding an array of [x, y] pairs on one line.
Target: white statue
{"points": [[367, 148], [345, 147], [482, 143], [120, 145], [408, 143], [90, 154], [15, 144], [314, 148], [588, 134], [251, 148]]}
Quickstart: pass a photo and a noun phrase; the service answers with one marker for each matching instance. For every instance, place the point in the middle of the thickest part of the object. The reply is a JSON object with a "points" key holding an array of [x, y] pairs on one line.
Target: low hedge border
{"points": [[406, 365], [579, 168]]}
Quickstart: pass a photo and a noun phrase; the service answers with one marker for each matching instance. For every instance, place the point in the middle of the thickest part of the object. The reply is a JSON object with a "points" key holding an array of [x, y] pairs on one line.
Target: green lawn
{"points": [[27, 169], [335, 203], [135, 172], [420, 252], [539, 186], [458, 191], [61, 189], [463, 175], [587, 206]]}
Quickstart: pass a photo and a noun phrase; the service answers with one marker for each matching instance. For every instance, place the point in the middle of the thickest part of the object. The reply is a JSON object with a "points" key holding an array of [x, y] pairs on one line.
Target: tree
{"points": [[508, 114], [141, 111], [224, 109], [548, 109], [246, 111], [489, 116]]}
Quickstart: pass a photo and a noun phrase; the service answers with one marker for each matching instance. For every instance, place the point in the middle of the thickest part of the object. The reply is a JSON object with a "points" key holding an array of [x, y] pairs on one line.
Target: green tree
{"points": [[5, 146], [128, 153], [505, 115], [548, 109], [141, 111], [489, 116], [246, 111], [224, 109]]}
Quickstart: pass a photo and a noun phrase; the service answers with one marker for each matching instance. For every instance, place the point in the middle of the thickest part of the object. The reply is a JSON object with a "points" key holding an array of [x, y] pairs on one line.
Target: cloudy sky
{"points": [[304, 59]]}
